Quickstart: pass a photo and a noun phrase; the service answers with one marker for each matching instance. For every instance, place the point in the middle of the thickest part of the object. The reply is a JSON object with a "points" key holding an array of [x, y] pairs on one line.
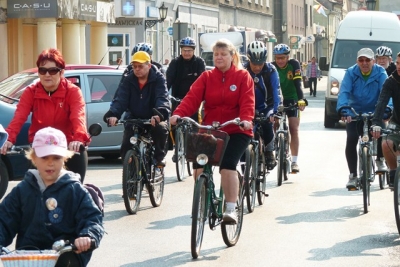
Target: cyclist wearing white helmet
{"points": [[267, 93], [383, 57], [290, 79]]}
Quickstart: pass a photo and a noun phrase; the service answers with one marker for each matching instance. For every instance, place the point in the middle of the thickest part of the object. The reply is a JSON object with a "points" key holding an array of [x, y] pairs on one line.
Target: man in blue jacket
{"points": [[360, 89], [141, 91]]}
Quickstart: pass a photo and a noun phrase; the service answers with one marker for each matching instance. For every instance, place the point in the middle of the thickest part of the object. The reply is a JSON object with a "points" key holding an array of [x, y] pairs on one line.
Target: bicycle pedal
{"points": [[352, 189]]}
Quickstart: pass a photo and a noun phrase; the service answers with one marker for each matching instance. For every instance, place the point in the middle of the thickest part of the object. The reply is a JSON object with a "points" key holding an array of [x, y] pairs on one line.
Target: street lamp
{"points": [[371, 4], [163, 14], [284, 27]]}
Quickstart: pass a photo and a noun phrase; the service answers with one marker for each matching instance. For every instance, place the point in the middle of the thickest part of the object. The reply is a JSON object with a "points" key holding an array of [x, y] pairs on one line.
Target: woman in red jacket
{"points": [[228, 93], [54, 102]]}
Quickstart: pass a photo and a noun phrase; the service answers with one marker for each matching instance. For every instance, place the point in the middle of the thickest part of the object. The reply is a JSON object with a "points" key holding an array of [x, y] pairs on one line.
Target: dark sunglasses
{"points": [[51, 71], [361, 60]]}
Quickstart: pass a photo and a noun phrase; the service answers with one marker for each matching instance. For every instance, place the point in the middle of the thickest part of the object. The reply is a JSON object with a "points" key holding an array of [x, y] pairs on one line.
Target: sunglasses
{"points": [[51, 71], [362, 60]]}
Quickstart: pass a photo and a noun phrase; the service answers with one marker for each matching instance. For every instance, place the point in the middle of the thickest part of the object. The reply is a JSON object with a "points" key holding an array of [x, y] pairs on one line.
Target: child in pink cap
{"points": [[51, 204]]}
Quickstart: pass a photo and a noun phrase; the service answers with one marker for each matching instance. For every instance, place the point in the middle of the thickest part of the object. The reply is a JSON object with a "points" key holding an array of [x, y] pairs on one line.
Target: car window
{"points": [[75, 80], [103, 87], [12, 88]]}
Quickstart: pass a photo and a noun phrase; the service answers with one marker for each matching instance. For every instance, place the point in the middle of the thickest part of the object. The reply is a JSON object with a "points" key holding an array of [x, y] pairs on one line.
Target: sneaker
{"points": [[352, 183], [230, 216], [174, 158], [295, 167], [161, 163], [271, 161], [380, 166]]}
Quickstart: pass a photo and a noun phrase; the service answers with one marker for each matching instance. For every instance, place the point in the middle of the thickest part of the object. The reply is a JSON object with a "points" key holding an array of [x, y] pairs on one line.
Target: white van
{"points": [[357, 30]]}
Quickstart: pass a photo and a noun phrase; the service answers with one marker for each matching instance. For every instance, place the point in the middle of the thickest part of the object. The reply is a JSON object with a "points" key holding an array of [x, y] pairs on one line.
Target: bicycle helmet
{"points": [[383, 51], [187, 41], [257, 52], [281, 49], [146, 47]]}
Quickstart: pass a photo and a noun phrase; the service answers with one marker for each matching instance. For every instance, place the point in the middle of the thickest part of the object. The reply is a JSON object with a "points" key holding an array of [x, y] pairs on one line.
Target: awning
{"points": [[271, 37]]}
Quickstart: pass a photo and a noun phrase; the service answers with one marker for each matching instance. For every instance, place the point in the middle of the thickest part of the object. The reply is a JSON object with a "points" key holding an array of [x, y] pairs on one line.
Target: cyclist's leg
{"points": [[229, 179], [351, 146], [390, 144], [78, 163], [268, 137], [159, 134], [294, 125]]}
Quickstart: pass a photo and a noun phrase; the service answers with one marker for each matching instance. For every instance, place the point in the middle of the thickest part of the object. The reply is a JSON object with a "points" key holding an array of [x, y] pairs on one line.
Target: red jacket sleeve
{"points": [[247, 99]]}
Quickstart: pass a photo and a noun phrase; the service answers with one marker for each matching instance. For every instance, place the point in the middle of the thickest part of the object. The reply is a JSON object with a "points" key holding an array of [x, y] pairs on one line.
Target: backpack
{"points": [[97, 196]]}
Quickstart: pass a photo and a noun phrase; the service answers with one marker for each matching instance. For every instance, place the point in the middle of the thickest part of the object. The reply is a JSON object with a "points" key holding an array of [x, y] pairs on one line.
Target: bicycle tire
{"points": [[199, 216], [156, 186], [250, 185], [180, 154], [396, 198], [366, 174], [3, 178], [131, 182], [231, 232], [382, 180], [189, 169], [281, 158], [261, 181]]}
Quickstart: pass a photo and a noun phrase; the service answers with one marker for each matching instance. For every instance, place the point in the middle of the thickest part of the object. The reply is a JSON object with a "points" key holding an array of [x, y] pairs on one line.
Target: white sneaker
{"points": [[352, 183], [230, 216], [380, 166]]}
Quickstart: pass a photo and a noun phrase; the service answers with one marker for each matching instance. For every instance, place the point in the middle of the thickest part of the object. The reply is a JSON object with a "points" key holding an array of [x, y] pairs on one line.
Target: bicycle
{"points": [[138, 168], [282, 141], [261, 169], [179, 151], [366, 165], [206, 145], [37, 257]]}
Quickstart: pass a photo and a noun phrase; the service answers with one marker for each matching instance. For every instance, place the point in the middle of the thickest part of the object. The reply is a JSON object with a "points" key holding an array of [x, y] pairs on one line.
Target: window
{"points": [[103, 87]]}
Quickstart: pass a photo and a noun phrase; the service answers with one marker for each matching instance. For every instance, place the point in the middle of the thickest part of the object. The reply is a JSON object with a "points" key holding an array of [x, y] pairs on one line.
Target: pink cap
{"points": [[50, 141]]}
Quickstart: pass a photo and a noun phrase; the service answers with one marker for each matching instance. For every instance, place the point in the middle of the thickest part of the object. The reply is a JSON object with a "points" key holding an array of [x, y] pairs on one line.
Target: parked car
{"points": [[98, 84]]}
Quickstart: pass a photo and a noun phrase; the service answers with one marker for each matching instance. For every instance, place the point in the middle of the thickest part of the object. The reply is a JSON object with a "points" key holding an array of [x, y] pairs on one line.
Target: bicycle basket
{"points": [[210, 142], [30, 258]]}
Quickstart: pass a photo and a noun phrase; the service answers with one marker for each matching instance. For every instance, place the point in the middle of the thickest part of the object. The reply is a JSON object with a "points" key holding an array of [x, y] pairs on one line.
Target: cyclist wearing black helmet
{"points": [[183, 71], [383, 57], [290, 79], [267, 93]]}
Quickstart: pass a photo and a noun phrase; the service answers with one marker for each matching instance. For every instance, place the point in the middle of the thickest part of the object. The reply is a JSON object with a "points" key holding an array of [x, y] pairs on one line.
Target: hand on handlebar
{"points": [[245, 125], [75, 146], [82, 244], [346, 119], [155, 120], [7, 145], [112, 121], [173, 119]]}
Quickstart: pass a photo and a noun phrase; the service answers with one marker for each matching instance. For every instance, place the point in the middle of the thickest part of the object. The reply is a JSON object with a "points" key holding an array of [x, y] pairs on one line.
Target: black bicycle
{"points": [[179, 150], [206, 145], [139, 168]]}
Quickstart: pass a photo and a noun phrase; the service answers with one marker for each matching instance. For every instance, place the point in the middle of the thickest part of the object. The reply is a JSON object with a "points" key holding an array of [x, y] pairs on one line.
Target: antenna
{"points": [[104, 56]]}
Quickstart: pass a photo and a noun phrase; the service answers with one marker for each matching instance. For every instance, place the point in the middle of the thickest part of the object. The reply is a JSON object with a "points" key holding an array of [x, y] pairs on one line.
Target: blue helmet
{"points": [[281, 49], [146, 47], [257, 52], [187, 41]]}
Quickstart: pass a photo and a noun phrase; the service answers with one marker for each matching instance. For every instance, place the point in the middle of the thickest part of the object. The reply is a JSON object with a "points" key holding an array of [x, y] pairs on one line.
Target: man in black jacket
{"points": [[390, 143], [140, 92]]}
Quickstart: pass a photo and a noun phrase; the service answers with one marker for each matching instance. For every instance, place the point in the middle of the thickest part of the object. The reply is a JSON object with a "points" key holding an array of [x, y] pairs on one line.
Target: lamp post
{"points": [[371, 4], [284, 29], [163, 14]]}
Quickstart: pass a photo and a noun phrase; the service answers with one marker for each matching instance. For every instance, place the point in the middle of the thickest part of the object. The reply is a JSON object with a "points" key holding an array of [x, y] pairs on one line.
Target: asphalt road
{"points": [[311, 220]]}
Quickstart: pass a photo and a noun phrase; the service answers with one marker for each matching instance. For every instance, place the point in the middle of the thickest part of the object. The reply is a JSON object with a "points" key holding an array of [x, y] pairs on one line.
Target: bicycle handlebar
{"points": [[215, 126], [357, 115]]}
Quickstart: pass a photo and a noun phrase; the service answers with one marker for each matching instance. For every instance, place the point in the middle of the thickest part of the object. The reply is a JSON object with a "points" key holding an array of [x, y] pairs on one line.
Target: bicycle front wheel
{"points": [[156, 186], [396, 197], [180, 154], [231, 232], [249, 176], [199, 215], [281, 158], [261, 180], [366, 175], [131, 182]]}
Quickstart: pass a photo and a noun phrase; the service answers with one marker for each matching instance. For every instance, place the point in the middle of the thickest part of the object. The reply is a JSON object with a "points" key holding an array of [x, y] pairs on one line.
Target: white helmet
{"points": [[383, 51]]}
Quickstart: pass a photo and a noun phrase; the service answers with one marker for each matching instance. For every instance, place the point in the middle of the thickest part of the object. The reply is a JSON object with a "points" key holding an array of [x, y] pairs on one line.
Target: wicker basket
{"points": [[30, 258], [210, 142]]}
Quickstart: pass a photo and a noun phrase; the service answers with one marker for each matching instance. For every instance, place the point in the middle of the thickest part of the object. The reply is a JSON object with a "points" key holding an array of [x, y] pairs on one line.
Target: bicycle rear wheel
{"points": [[366, 175], [281, 158], [199, 215], [131, 182], [261, 180], [250, 184], [156, 186], [180, 154], [396, 197], [231, 232]]}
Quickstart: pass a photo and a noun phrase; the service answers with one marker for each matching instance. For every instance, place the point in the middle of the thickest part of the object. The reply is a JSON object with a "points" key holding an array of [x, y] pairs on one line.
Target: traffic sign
{"points": [[170, 30]]}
